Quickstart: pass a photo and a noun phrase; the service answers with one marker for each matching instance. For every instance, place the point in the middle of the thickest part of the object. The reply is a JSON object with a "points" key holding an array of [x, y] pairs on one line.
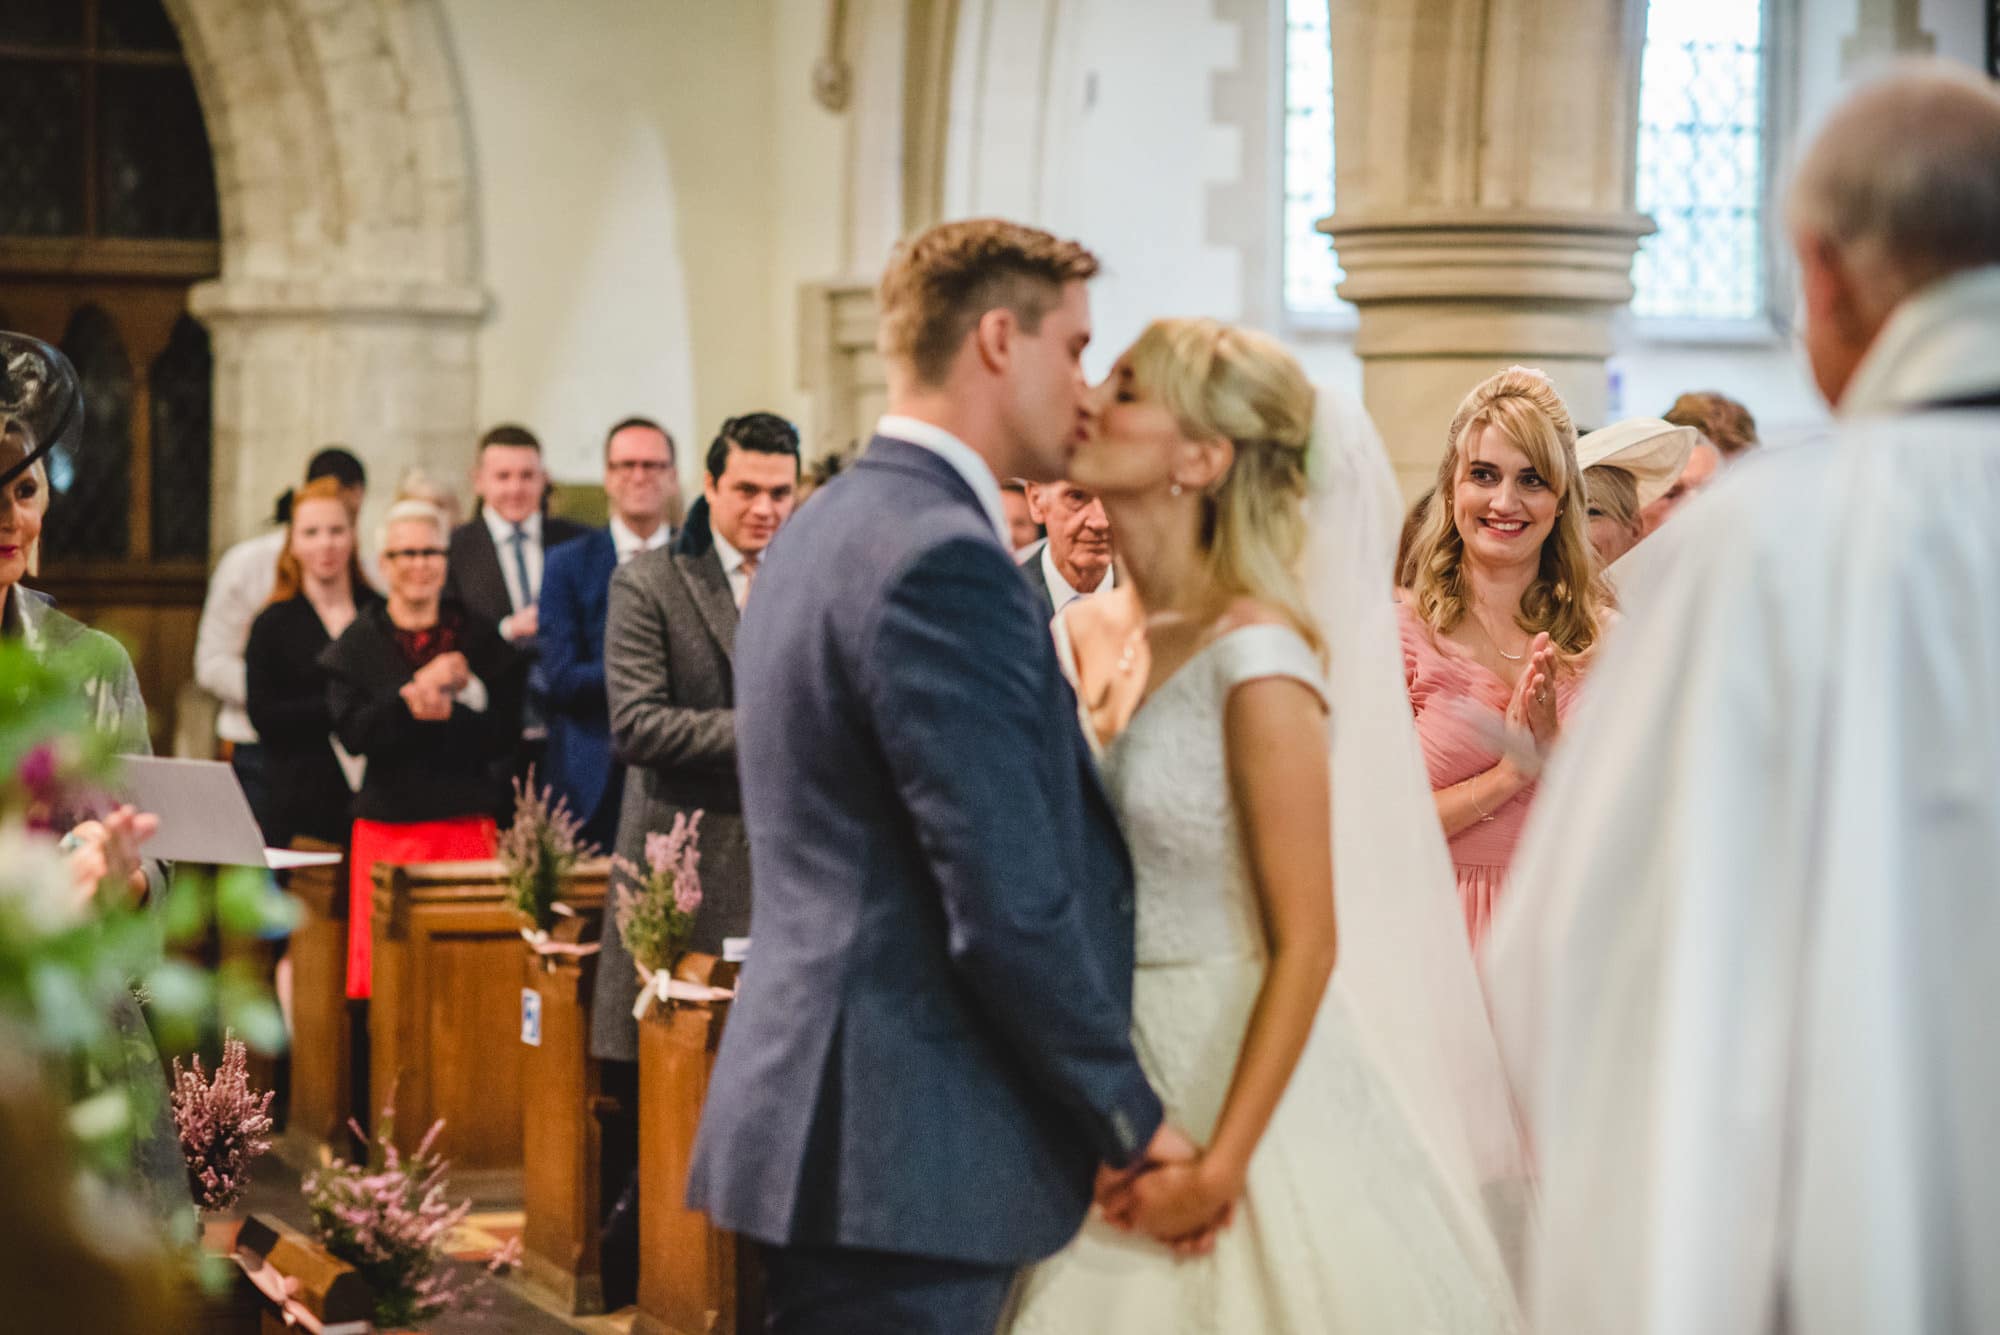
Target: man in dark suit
{"points": [[640, 485], [929, 1055], [496, 558], [1075, 561], [668, 642]]}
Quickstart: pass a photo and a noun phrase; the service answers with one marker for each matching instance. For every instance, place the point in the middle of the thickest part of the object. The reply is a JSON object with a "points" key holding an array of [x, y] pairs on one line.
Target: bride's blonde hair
{"points": [[1218, 380]]}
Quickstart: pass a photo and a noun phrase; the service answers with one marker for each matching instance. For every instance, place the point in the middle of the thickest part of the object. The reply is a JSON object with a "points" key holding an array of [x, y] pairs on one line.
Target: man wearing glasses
{"points": [[641, 486]]}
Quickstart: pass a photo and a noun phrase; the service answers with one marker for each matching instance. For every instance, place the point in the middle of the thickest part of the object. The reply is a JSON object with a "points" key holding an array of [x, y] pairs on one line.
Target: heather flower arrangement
{"points": [[539, 850], [657, 904], [389, 1218], [70, 954], [224, 1125]]}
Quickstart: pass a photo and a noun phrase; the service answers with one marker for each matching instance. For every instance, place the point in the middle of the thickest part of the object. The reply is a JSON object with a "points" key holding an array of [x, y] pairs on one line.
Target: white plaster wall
{"points": [[1092, 118], [652, 181], [1132, 154]]}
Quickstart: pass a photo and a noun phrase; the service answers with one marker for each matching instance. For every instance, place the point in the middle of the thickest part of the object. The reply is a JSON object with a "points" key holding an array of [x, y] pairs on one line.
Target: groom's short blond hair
{"points": [[940, 282]]}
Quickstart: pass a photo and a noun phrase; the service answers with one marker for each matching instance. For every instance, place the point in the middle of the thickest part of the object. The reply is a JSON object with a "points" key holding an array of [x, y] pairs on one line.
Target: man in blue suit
{"points": [[640, 484], [929, 1058]]}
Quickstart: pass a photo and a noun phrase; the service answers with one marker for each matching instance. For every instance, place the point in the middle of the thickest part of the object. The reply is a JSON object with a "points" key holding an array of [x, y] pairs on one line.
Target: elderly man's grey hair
{"points": [[1904, 178]]}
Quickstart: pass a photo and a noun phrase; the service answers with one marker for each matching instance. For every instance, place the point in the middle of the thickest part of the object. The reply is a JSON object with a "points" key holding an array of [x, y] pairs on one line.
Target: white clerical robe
{"points": [[1750, 956]]}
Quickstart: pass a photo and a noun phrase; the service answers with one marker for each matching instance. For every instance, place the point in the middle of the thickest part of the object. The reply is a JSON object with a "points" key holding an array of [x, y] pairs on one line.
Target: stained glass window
{"points": [[1701, 160], [104, 135], [179, 383], [89, 514], [1311, 271]]}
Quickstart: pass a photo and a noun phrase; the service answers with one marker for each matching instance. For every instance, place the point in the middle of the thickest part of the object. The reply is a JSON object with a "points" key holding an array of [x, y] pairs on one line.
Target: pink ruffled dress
{"points": [[1441, 676]]}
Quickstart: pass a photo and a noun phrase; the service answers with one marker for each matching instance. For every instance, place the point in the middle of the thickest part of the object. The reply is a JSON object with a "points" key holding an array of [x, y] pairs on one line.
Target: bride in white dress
{"points": [[1351, 1130]]}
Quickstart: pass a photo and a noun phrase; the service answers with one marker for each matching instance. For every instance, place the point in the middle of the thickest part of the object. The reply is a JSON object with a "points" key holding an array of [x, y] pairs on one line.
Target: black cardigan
{"points": [[421, 771], [288, 707]]}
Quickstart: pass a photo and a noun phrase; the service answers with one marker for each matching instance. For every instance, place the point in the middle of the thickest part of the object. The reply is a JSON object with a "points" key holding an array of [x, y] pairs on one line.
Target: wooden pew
{"points": [[297, 1283], [561, 1132], [321, 1098], [694, 1279], [444, 1024]]}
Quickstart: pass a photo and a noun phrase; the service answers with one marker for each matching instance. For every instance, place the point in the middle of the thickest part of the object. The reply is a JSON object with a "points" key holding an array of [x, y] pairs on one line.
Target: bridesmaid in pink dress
{"points": [[1504, 606]]}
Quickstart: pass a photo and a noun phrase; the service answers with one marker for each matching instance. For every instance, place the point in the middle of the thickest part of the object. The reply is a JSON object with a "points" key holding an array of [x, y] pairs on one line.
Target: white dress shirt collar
{"points": [[629, 544], [725, 552], [531, 556], [503, 529], [964, 460], [732, 566], [1060, 591]]}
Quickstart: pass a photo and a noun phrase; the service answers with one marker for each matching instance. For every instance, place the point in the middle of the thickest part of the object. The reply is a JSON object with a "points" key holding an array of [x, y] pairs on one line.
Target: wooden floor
{"points": [[503, 1307]]}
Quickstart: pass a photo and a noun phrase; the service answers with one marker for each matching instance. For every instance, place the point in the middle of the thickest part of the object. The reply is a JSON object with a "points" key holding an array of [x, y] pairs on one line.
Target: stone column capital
{"points": [[1487, 254], [247, 300]]}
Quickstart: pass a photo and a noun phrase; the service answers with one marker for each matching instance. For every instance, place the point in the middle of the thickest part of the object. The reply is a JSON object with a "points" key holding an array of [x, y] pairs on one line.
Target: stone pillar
{"points": [[1884, 29], [390, 372], [1484, 186]]}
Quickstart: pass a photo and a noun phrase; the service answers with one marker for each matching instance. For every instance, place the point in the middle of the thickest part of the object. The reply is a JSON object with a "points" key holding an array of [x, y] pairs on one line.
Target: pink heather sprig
{"points": [[539, 849], [677, 854], [656, 906], [390, 1219], [224, 1125]]}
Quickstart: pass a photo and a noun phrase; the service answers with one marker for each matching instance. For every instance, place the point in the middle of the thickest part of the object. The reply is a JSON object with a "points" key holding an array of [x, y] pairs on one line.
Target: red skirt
{"points": [[461, 840]]}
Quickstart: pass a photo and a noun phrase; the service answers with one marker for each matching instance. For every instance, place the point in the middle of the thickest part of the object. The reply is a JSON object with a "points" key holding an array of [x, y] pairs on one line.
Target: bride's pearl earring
{"points": [[1174, 490]]}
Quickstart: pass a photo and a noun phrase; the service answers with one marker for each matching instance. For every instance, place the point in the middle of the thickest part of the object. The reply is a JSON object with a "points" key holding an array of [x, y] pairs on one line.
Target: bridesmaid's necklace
{"points": [[1494, 640]]}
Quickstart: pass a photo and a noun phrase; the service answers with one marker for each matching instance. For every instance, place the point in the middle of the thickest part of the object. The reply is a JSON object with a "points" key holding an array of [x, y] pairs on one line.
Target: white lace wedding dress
{"points": [[1345, 1225]]}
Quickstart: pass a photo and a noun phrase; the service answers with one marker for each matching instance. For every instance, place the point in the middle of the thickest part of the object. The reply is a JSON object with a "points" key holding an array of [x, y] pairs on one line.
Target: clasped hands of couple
{"points": [[433, 688], [1176, 1193]]}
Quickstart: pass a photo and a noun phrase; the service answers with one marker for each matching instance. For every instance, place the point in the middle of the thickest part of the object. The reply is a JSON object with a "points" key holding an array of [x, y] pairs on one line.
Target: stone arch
{"points": [[349, 294]]}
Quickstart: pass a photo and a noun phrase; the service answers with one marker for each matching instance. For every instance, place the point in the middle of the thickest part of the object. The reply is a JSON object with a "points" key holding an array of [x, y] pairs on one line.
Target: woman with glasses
{"points": [[429, 696]]}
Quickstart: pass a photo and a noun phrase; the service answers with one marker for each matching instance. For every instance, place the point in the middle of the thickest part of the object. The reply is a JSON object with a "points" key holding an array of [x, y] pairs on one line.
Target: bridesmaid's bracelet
{"points": [[1472, 791]]}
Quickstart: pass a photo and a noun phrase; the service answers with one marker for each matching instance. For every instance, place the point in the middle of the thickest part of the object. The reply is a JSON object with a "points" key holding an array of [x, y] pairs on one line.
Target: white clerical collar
{"points": [[503, 529], [725, 552], [964, 460], [1061, 592], [629, 544], [1938, 344]]}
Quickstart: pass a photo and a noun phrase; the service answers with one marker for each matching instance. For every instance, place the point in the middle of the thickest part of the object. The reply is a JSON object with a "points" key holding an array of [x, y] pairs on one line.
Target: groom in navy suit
{"points": [[929, 1059], [640, 485]]}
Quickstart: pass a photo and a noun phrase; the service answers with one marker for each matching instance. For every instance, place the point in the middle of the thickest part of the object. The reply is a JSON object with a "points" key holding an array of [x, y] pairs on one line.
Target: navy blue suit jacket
{"points": [[930, 1051], [576, 590]]}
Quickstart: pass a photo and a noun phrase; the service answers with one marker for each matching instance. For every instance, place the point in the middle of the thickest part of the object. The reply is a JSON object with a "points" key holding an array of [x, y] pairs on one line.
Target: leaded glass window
{"points": [[179, 380], [105, 137], [1311, 271], [89, 511], [1701, 162]]}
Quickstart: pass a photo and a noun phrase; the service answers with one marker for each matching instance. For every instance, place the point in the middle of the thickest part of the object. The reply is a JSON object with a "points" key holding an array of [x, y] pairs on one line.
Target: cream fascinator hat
{"points": [[1652, 451]]}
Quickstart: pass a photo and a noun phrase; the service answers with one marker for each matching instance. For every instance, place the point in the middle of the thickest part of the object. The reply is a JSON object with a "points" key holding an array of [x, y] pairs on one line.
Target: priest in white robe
{"points": [[1749, 969]]}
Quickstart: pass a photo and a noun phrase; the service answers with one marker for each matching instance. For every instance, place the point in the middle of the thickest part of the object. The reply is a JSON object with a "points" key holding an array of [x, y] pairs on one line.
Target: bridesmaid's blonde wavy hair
{"points": [[1567, 598], [1221, 381]]}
